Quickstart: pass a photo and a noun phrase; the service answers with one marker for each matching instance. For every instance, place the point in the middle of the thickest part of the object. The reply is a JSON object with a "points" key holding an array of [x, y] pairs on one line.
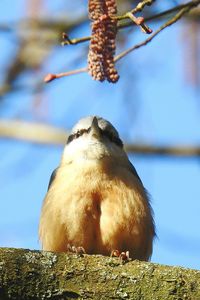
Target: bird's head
{"points": [[93, 138]]}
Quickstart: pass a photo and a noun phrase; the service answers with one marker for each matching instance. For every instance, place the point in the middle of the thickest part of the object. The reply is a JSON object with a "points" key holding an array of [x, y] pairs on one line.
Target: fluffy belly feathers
{"points": [[99, 211]]}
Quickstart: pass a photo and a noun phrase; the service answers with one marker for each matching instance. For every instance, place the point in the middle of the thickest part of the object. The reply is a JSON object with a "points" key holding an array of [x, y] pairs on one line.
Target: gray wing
{"points": [[53, 176], [133, 171]]}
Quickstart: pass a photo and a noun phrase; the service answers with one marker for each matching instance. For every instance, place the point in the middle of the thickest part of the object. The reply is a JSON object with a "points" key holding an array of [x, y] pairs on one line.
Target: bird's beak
{"points": [[95, 130]]}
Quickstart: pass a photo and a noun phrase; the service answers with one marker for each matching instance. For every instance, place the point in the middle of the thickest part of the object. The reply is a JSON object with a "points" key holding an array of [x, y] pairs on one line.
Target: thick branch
{"points": [[46, 134], [26, 274]]}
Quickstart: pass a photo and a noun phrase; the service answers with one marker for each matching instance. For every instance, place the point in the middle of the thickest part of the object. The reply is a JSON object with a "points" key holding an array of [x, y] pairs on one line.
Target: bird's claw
{"points": [[78, 250], [123, 256]]}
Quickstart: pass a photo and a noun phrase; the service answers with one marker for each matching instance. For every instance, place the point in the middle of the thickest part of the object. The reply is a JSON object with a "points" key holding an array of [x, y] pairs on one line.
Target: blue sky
{"points": [[152, 103]]}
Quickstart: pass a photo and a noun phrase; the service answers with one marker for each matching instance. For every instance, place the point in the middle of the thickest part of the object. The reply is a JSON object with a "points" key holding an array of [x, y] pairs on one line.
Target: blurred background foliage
{"points": [[155, 104]]}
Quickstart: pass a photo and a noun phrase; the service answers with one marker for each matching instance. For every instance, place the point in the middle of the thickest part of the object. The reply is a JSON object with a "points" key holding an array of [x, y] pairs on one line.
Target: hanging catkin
{"points": [[102, 44]]}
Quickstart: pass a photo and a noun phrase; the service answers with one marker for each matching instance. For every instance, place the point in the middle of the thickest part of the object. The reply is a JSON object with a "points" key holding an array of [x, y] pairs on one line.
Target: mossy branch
{"points": [[26, 274]]}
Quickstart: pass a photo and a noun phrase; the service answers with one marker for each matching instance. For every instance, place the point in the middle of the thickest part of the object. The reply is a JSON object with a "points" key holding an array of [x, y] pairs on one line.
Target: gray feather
{"points": [[134, 172], [53, 176]]}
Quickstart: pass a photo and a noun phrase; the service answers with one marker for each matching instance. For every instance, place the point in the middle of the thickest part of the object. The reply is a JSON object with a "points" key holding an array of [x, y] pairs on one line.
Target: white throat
{"points": [[89, 148]]}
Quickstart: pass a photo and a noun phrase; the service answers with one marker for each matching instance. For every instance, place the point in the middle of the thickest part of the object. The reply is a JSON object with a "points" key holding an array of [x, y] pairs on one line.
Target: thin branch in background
{"points": [[38, 133], [175, 151], [49, 135]]}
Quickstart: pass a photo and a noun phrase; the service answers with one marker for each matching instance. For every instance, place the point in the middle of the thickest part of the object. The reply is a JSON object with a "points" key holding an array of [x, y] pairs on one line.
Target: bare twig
{"points": [[47, 134], [166, 12], [177, 17], [185, 8], [69, 41], [191, 4], [140, 22], [50, 77], [138, 8], [141, 5], [137, 20], [75, 41]]}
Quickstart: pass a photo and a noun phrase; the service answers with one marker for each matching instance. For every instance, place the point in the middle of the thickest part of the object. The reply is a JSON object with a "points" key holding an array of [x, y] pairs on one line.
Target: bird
{"points": [[95, 198]]}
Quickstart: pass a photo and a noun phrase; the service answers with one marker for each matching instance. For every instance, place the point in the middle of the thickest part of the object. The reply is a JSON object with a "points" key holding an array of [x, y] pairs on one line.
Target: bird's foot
{"points": [[123, 256], [78, 250]]}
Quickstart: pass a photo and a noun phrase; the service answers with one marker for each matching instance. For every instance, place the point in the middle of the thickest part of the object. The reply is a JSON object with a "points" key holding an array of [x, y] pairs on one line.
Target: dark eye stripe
{"points": [[70, 138], [77, 135], [116, 140]]}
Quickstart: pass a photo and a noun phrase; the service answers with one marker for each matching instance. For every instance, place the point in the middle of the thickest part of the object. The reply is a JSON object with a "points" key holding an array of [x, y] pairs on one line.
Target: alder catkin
{"points": [[102, 44]]}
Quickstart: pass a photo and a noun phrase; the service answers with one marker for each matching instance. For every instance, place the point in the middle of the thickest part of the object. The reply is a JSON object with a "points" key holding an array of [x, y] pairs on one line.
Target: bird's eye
{"points": [[70, 138], [76, 135], [79, 133], [116, 140]]}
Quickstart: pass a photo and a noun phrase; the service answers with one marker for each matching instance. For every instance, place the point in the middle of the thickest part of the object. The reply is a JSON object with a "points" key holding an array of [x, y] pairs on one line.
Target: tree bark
{"points": [[26, 274]]}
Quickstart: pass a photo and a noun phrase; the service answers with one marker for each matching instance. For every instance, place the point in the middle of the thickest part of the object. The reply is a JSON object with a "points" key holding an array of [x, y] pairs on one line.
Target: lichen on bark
{"points": [[26, 274]]}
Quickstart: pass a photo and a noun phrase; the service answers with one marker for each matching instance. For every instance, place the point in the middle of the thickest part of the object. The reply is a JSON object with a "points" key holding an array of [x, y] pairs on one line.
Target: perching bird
{"points": [[95, 198]]}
